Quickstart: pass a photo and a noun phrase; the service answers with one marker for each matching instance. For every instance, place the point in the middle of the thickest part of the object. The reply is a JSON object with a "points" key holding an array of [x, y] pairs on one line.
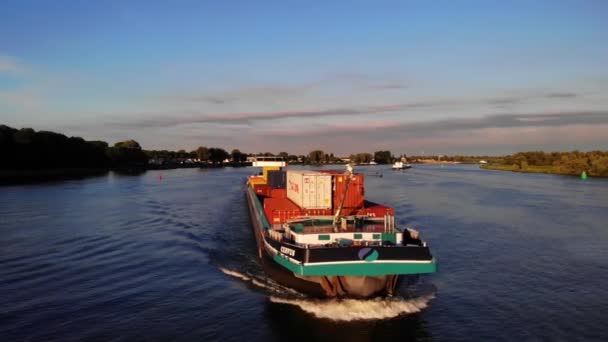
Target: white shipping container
{"points": [[309, 189]]}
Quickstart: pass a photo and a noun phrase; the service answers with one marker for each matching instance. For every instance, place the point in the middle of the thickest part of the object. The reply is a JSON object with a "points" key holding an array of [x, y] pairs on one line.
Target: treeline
{"points": [[594, 163], [456, 158], [320, 157], [28, 149], [202, 155]]}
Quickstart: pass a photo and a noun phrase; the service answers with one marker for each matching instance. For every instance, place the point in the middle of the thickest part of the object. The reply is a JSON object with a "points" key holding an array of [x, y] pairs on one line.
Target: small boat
{"points": [[317, 234], [401, 166]]}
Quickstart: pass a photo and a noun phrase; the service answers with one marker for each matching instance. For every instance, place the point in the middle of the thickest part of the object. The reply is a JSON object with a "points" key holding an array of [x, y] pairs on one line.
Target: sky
{"points": [[413, 77]]}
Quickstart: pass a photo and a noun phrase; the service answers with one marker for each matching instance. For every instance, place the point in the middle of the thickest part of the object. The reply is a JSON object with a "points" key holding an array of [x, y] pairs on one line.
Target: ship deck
{"points": [[317, 226]]}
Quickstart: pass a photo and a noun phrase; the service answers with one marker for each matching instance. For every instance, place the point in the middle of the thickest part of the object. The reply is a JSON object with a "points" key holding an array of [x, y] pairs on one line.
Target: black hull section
{"points": [[331, 254], [287, 278]]}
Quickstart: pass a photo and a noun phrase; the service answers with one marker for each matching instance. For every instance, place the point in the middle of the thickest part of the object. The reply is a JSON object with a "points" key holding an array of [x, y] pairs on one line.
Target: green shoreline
{"points": [[551, 170]]}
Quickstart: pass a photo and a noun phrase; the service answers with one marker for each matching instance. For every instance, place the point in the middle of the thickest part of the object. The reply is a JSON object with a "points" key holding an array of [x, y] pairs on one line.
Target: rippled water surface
{"points": [[522, 257]]}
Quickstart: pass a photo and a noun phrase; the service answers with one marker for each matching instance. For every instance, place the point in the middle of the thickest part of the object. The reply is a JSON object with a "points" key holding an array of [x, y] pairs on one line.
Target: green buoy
{"points": [[584, 175]]}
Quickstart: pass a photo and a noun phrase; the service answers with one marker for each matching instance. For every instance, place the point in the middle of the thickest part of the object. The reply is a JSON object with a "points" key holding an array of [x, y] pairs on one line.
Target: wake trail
{"points": [[358, 309], [337, 309]]}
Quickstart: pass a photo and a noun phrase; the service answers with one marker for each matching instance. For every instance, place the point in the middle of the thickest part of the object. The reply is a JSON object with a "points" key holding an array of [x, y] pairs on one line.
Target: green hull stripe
{"points": [[259, 208], [359, 269]]}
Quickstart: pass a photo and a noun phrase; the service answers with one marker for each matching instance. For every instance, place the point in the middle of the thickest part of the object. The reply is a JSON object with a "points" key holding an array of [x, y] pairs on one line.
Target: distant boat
{"points": [[483, 162], [373, 163], [401, 166]]}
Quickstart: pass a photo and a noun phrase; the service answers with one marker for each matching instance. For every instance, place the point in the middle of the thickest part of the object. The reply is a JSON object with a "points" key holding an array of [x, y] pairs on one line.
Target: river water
{"points": [[521, 257]]}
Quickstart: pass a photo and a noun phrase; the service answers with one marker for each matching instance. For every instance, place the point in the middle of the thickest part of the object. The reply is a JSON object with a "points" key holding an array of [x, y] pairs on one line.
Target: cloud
{"points": [[248, 118], [420, 129], [488, 133], [25, 99], [271, 93], [561, 95], [510, 100], [391, 86], [248, 95], [10, 65]]}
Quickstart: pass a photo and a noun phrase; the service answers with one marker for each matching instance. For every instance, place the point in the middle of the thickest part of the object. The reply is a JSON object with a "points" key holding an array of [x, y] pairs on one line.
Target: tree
{"points": [[24, 136], [127, 153], [599, 166], [237, 156], [284, 155], [383, 157], [361, 158], [202, 153], [218, 155], [316, 157], [131, 144]]}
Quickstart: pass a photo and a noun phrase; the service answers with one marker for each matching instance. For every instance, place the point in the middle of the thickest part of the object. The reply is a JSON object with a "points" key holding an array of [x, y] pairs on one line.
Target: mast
{"points": [[348, 175]]}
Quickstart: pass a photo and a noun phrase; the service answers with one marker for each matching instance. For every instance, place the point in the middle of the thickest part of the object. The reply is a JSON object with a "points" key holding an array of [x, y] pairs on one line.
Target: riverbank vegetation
{"points": [[29, 155], [594, 163], [25, 153]]}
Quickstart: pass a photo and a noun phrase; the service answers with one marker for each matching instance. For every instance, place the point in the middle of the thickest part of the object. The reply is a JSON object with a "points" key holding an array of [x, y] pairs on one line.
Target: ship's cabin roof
{"points": [[324, 225]]}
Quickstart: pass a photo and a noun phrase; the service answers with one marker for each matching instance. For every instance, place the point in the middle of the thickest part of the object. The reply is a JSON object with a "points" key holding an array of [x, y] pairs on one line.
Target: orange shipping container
{"points": [[262, 189], [354, 194], [278, 193], [279, 210]]}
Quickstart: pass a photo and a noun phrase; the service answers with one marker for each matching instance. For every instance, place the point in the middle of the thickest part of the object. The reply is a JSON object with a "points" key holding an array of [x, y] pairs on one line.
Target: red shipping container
{"points": [[279, 210], [263, 189], [278, 193], [317, 212], [354, 195]]}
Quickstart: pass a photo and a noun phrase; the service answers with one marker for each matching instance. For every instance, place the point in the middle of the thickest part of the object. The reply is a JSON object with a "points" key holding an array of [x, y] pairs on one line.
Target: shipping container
{"points": [[257, 180], [309, 189], [317, 212], [277, 179], [280, 210], [262, 189], [355, 195], [352, 194], [267, 169], [278, 193]]}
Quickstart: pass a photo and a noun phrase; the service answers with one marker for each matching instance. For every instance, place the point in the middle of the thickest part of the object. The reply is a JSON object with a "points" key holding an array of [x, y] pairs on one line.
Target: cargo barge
{"points": [[316, 233]]}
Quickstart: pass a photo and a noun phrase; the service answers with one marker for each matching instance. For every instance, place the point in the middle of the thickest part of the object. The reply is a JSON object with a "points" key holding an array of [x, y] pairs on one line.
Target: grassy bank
{"points": [[549, 169]]}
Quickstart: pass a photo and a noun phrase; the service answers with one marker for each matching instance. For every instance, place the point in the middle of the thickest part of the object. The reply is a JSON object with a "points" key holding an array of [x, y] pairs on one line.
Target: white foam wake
{"points": [[337, 309], [235, 274], [263, 283], [358, 309]]}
